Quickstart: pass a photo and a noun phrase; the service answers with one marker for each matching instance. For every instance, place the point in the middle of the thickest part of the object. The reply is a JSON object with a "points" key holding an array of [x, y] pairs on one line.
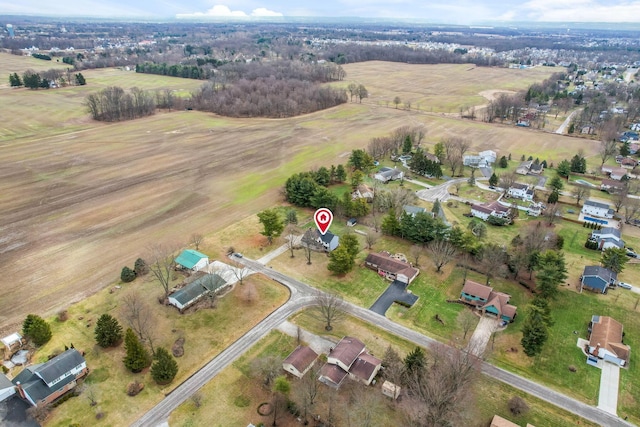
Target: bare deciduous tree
{"points": [[608, 148], [329, 308], [438, 390], [266, 369], [493, 260], [551, 213], [371, 237], [291, 237], [631, 210], [140, 318], [161, 264], [467, 320], [580, 192], [454, 150], [442, 252], [305, 392], [196, 239], [239, 271], [620, 198], [415, 252], [507, 180]]}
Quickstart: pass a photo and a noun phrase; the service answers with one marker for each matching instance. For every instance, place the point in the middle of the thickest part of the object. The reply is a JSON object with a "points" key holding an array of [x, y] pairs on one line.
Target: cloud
{"points": [[261, 11], [222, 11], [575, 11]]}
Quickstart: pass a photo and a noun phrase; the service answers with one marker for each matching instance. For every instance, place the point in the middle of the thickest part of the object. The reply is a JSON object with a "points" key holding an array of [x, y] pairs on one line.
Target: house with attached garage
{"points": [[388, 174], [521, 191], [207, 284], [485, 210], [300, 361], [43, 383], [605, 342], [391, 268], [597, 209], [483, 159], [192, 260], [607, 237], [349, 358], [612, 186], [487, 300], [524, 167], [616, 173], [597, 278]]}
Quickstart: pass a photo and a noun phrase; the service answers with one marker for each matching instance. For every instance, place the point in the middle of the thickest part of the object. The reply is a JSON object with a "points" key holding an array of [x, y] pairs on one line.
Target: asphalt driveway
{"points": [[396, 292]]}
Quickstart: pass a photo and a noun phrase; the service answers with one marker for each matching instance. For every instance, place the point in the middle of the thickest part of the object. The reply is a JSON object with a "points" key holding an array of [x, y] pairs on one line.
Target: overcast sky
{"points": [[436, 11]]}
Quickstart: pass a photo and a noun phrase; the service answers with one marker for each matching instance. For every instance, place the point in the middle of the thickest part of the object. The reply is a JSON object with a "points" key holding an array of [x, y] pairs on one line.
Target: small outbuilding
{"points": [[300, 361], [192, 260], [391, 390], [11, 344]]}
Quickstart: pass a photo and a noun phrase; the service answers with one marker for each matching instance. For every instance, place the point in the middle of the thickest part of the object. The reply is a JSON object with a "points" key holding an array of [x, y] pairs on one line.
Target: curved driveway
{"points": [[302, 296]]}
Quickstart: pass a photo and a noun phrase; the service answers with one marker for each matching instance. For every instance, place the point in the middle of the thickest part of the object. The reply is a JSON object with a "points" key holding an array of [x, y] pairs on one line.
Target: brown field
{"points": [[80, 199]]}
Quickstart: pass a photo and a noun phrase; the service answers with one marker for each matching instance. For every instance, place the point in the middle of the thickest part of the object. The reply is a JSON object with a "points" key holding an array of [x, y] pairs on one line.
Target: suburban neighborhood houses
{"points": [[431, 249]]}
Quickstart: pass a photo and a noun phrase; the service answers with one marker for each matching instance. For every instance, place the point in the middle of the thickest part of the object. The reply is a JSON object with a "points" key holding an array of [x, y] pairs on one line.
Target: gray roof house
{"points": [[597, 209], [597, 278], [43, 383], [7, 389], [192, 292], [413, 210], [328, 240], [388, 174], [607, 237]]}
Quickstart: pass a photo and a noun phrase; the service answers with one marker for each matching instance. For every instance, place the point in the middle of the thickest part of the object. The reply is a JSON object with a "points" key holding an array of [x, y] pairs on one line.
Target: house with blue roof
{"points": [[597, 278], [192, 260]]}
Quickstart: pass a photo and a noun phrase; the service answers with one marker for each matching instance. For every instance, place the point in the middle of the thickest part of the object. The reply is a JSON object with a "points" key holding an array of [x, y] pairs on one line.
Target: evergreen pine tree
{"points": [[127, 275], [534, 332], [165, 367], [37, 329], [108, 331], [137, 357]]}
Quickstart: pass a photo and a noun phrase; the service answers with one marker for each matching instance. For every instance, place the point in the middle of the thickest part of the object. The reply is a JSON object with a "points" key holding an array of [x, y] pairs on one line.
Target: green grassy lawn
{"points": [[206, 333]]}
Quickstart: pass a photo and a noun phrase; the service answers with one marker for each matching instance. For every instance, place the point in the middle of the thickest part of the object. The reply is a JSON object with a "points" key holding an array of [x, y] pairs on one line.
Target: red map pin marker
{"points": [[323, 218]]}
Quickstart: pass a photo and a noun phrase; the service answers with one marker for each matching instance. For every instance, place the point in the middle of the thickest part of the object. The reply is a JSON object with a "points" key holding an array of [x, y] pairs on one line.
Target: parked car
{"points": [[624, 285], [237, 254]]}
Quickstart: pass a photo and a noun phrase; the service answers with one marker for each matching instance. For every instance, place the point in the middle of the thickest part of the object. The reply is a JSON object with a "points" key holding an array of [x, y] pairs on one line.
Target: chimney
{"points": [[596, 350], [20, 390]]}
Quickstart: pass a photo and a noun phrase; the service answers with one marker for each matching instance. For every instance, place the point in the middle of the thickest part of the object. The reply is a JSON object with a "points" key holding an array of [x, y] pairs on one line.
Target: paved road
{"points": [[302, 296], [440, 192], [565, 124]]}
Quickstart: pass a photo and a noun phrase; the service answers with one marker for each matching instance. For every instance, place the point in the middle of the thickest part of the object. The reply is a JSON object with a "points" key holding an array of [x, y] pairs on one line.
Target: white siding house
{"points": [[600, 210], [521, 191]]}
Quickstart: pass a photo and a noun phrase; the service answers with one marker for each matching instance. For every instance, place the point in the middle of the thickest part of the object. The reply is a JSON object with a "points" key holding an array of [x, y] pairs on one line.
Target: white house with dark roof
{"points": [[481, 211], [328, 240], [43, 383], [597, 209], [608, 237], [521, 191], [388, 174], [485, 210], [192, 260], [7, 389], [481, 160]]}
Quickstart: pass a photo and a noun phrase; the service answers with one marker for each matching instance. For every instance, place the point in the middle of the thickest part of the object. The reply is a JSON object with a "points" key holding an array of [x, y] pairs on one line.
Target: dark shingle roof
{"points": [[347, 350], [59, 365], [601, 272], [301, 358], [596, 204], [206, 283]]}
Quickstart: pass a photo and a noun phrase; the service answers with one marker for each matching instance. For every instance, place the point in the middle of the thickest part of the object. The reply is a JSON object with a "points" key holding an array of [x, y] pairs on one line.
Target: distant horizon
{"points": [[613, 26], [463, 12]]}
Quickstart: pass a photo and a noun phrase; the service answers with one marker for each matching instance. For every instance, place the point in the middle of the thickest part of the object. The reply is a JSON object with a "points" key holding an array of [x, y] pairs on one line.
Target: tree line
{"points": [[33, 80], [175, 70], [114, 104]]}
